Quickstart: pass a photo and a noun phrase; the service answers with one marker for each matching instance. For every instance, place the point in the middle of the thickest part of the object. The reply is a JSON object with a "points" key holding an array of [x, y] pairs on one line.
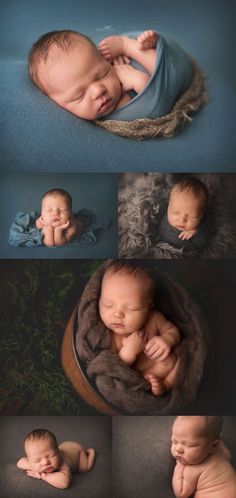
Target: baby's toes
{"points": [[104, 50]]}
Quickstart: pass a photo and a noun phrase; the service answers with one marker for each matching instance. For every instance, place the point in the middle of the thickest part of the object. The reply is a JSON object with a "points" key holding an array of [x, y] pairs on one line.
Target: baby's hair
{"points": [[59, 191], [137, 270], [37, 434], [194, 185], [211, 426], [40, 50]]}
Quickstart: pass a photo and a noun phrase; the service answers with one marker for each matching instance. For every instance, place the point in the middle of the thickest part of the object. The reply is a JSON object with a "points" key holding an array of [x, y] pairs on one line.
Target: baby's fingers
{"points": [[121, 59]]}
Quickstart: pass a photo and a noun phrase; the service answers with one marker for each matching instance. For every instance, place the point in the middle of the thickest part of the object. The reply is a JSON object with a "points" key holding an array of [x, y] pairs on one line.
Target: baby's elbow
{"points": [[65, 483]]}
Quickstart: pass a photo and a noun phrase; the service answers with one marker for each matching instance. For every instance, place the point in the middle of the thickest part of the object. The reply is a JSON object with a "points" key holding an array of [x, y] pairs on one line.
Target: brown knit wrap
{"points": [[169, 125]]}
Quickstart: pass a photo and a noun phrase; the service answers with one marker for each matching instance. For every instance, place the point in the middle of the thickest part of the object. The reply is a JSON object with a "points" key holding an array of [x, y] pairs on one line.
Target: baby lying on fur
{"points": [[142, 336], [52, 463], [185, 226]]}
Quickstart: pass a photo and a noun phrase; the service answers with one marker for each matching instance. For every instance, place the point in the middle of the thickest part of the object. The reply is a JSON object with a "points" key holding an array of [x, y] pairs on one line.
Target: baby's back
{"points": [[70, 451], [217, 480]]}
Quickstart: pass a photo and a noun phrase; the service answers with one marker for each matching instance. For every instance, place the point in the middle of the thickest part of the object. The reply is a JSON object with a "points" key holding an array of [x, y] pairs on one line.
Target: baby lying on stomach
{"points": [[54, 463]]}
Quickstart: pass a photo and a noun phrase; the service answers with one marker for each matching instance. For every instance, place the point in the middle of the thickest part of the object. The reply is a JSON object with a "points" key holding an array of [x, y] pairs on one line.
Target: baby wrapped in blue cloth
{"points": [[99, 83], [56, 225]]}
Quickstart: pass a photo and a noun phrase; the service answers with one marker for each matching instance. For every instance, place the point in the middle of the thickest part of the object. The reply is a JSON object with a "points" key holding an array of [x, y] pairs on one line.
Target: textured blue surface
{"points": [[36, 135]]}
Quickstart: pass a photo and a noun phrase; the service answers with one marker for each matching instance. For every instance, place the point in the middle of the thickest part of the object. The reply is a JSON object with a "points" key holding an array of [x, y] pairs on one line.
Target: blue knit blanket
{"points": [[172, 75], [23, 231]]}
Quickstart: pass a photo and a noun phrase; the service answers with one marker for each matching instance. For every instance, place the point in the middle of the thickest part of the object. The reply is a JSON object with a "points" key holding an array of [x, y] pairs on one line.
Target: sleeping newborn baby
{"points": [[52, 463], [203, 467], [57, 222], [185, 225], [92, 82], [141, 335]]}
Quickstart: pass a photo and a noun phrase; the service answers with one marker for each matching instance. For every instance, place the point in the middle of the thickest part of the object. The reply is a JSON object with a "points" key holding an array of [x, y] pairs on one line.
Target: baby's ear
{"points": [[215, 443]]}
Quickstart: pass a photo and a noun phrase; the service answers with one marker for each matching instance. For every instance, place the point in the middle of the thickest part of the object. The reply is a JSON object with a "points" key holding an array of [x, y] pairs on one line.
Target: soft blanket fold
{"points": [[120, 384], [172, 75], [24, 233], [195, 245]]}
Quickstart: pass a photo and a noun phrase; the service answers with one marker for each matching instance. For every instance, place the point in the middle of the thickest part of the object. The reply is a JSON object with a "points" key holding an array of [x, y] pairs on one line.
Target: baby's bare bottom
{"points": [[78, 458], [161, 375]]}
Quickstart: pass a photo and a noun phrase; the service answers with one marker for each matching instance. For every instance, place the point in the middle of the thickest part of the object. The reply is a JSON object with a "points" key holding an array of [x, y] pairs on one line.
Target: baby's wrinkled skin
{"points": [[57, 222], [203, 467], [141, 336], [55, 465], [185, 212], [91, 83]]}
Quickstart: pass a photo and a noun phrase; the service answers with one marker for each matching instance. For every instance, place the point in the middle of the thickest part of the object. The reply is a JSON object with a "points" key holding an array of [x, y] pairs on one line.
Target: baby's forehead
{"points": [[35, 443], [190, 425], [55, 196], [142, 280]]}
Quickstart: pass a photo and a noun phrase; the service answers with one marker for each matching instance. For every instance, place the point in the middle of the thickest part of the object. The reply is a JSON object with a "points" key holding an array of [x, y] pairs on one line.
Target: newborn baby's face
{"points": [[124, 303], [42, 455], [81, 81], [185, 211], [188, 444], [55, 208]]}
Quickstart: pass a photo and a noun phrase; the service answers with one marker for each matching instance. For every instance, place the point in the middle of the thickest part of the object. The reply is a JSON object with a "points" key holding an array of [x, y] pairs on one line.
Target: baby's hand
{"points": [[125, 73], [33, 473], [187, 234], [62, 226], [157, 348], [134, 341]]}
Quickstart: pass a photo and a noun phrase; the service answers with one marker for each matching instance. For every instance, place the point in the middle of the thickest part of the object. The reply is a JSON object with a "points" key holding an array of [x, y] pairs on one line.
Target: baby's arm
{"points": [[131, 347], [48, 235], [60, 479], [159, 346], [39, 223], [65, 233], [61, 236], [184, 481]]}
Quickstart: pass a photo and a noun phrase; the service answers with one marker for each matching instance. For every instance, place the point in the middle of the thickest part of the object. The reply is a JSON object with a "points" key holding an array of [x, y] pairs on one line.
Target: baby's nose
{"points": [[180, 448], [97, 90], [118, 312]]}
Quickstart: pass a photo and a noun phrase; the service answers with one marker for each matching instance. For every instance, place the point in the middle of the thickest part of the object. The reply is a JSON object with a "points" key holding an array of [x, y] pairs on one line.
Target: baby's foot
{"points": [[157, 387], [91, 457], [147, 39], [113, 46]]}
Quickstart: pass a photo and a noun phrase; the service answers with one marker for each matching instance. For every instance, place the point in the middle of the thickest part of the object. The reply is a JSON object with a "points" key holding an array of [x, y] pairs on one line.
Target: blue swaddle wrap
{"points": [[23, 231], [172, 75]]}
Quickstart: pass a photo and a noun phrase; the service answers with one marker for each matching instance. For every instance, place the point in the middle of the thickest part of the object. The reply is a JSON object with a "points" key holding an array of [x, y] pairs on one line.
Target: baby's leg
{"points": [[113, 46], [171, 377], [86, 459], [157, 385]]}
